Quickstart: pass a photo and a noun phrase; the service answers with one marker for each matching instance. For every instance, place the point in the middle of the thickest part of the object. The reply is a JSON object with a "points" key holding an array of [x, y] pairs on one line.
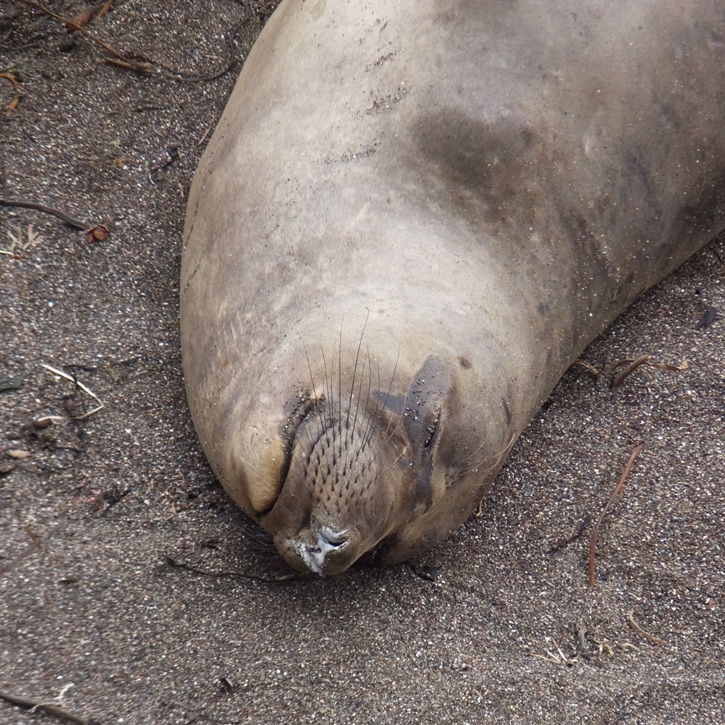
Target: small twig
{"points": [[222, 574], [121, 60], [558, 657], [10, 77], [637, 628], [632, 365], [549, 658], [67, 22], [45, 420], [49, 707], [116, 499], [81, 386], [582, 645], [590, 368], [46, 209], [595, 530]]}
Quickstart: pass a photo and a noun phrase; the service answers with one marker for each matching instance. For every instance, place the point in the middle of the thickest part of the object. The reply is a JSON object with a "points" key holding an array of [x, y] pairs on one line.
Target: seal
{"points": [[410, 220]]}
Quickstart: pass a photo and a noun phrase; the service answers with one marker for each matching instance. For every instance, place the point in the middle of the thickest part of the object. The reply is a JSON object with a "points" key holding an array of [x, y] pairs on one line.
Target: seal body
{"points": [[410, 220]]}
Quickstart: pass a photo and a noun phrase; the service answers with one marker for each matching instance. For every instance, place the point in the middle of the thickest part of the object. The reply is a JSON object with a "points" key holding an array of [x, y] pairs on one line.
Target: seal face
{"points": [[356, 459], [409, 222]]}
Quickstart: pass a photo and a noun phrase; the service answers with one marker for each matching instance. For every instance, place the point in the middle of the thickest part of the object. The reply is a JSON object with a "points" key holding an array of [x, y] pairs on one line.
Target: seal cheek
{"points": [[256, 483]]}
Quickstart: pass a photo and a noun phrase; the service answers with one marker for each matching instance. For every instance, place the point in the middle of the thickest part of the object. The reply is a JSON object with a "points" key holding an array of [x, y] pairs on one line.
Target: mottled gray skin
{"points": [[410, 221]]}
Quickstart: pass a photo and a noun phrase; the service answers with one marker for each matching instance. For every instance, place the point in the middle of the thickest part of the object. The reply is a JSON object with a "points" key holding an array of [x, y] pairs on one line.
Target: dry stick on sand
{"points": [[68, 23], [48, 707], [630, 366], [85, 389], [595, 530], [10, 77], [46, 210], [637, 628], [121, 60]]}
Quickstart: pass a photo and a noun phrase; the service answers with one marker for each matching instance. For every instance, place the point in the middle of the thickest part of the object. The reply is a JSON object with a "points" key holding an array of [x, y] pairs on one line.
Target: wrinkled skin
{"points": [[410, 221]]}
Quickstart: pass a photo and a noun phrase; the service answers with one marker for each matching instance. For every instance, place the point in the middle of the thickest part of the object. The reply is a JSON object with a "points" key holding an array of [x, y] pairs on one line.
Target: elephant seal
{"points": [[410, 220]]}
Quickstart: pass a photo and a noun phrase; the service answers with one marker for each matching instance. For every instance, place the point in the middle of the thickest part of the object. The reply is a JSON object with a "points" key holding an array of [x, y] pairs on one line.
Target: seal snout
{"points": [[315, 555]]}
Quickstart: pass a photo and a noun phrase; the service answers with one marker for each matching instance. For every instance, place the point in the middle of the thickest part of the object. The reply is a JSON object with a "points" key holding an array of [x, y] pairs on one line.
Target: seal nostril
{"points": [[331, 537]]}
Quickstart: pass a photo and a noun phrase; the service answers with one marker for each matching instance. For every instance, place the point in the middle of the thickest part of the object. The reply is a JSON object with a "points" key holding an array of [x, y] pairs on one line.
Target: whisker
{"points": [[354, 369], [257, 537]]}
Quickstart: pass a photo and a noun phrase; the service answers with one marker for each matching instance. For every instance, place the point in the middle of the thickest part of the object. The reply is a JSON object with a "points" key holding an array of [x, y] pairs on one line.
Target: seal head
{"points": [[482, 187], [352, 461]]}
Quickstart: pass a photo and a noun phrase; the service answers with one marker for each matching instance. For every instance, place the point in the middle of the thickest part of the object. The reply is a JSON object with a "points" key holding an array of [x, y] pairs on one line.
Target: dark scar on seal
{"points": [[421, 412], [422, 418], [394, 403]]}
